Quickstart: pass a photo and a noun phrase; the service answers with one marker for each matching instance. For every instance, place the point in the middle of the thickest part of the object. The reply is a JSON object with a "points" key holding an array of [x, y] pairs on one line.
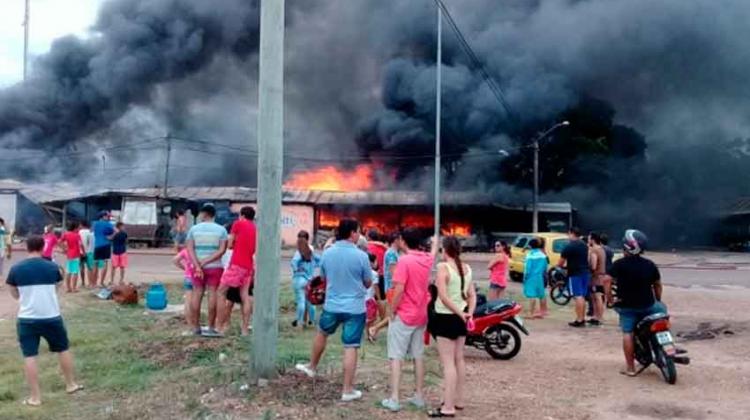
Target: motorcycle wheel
{"points": [[560, 294], [502, 342], [666, 365]]}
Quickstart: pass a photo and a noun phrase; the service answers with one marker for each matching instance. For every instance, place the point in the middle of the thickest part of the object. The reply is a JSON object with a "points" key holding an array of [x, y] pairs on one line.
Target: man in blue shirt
{"points": [[103, 230], [348, 275]]}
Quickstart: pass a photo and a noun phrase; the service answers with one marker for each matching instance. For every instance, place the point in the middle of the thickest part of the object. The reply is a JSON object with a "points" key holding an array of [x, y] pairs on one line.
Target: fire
{"points": [[389, 220], [456, 229], [330, 178]]}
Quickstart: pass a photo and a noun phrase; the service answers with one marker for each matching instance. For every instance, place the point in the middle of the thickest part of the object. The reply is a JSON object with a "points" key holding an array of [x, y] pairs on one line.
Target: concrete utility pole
{"points": [[166, 166], [438, 106], [26, 22], [535, 199], [270, 166]]}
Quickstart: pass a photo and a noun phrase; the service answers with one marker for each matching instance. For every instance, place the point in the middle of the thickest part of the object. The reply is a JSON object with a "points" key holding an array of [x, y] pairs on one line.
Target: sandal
{"points": [[438, 412], [75, 389], [27, 402], [628, 373]]}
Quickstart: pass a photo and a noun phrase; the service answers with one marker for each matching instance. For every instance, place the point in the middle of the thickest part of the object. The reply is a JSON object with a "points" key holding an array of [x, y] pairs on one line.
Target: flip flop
{"points": [[628, 373], [456, 407], [75, 389], [27, 402]]}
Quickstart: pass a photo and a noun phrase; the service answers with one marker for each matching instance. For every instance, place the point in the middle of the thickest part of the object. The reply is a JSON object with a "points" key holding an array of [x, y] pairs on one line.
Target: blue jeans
{"points": [[299, 284]]}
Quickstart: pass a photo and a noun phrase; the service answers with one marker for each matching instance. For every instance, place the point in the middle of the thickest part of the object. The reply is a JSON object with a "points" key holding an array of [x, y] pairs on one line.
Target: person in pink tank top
{"points": [[498, 267]]}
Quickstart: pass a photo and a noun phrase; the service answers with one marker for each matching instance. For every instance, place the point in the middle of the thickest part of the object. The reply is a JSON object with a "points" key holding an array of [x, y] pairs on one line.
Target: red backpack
{"points": [[315, 291]]}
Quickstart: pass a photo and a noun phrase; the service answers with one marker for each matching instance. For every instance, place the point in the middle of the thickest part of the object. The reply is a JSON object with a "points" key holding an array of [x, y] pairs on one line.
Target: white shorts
{"points": [[405, 341]]}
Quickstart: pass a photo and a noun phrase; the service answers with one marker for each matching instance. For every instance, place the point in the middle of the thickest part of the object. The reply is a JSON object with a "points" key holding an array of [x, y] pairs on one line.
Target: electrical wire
{"points": [[478, 65]]}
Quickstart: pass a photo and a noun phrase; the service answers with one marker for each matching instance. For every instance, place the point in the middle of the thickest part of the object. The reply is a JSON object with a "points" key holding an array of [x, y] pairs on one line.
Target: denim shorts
{"points": [[579, 285], [630, 317], [353, 325], [30, 331], [187, 284]]}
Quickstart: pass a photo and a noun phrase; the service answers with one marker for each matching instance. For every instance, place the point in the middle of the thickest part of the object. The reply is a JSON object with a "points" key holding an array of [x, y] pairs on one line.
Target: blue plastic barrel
{"points": [[156, 297]]}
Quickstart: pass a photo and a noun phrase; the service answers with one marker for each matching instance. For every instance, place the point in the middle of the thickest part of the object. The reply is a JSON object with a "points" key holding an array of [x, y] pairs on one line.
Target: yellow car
{"points": [[554, 243]]}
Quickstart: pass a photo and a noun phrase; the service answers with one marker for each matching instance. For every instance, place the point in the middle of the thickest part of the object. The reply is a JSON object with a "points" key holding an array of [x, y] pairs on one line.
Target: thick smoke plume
{"points": [[656, 93]]}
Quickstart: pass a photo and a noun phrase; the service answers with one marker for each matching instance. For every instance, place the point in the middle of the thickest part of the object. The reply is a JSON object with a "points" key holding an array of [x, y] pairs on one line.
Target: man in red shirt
{"points": [[411, 297], [241, 269], [73, 250]]}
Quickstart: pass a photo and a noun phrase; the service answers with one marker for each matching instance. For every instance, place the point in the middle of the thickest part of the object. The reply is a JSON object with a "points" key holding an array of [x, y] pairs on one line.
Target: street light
{"points": [[535, 202]]}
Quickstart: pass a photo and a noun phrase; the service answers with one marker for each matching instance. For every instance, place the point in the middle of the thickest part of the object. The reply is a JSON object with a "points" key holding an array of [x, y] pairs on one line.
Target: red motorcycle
{"points": [[495, 328]]}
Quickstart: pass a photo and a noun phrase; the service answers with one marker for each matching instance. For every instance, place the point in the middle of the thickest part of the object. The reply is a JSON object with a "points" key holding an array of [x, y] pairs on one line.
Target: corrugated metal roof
{"points": [[738, 207], [61, 192]]}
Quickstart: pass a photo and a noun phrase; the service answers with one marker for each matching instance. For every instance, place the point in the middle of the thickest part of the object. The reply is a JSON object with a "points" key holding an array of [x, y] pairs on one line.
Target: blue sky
{"points": [[50, 19]]}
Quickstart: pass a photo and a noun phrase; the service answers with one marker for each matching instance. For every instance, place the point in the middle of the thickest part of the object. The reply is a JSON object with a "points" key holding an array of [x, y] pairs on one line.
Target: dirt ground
{"points": [[564, 373]]}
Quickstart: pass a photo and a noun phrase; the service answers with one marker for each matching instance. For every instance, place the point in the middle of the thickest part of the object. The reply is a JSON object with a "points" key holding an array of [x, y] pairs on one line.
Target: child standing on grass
{"points": [[371, 304], [119, 252], [73, 250], [50, 243], [533, 279], [183, 261]]}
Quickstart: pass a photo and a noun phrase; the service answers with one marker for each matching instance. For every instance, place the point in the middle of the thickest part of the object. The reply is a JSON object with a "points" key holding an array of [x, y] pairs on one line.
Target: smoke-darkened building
{"points": [[478, 219]]}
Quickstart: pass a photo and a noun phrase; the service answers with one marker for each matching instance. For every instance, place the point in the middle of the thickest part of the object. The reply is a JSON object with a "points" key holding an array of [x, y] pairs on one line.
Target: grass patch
{"points": [[139, 366]]}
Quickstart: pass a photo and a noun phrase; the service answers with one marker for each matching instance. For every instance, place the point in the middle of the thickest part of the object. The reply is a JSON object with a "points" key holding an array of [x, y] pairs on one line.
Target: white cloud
{"points": [[50, 19]]}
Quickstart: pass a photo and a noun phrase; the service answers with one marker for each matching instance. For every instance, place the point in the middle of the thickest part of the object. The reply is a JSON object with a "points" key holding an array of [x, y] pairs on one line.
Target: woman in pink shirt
{"points": [[498, 267]]}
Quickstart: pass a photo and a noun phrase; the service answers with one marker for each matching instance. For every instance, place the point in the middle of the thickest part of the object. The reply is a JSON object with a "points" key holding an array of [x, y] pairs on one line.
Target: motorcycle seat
{"points": [[493, 306], [650, 318]]}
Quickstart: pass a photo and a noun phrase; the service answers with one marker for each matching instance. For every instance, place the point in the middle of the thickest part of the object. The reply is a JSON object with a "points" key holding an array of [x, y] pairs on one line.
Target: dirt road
{"points": [[563, 373]]}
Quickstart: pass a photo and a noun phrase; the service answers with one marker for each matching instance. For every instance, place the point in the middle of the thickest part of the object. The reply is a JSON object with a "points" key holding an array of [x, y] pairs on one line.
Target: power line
{"points": [[478, 65]]}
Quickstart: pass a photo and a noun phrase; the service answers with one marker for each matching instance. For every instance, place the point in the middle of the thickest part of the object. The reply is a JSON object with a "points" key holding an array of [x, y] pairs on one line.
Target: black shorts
{"points": [[450, 326], [381, 286], [31, 330], [102, 253], [233, 293], [597, 289]]}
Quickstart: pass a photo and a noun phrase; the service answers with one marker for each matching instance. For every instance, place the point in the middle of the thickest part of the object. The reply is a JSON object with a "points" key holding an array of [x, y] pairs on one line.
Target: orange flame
{"points": [[386, 221], [330, 178]]}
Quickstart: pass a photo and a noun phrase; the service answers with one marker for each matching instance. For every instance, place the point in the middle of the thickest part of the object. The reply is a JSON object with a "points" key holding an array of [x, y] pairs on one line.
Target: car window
{"points": [[559, 244], [521, 242]]}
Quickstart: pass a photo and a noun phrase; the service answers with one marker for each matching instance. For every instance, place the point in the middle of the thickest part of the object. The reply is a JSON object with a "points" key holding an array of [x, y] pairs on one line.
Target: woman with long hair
{"points": [[303, 265], [454, 306], [498, 267]]}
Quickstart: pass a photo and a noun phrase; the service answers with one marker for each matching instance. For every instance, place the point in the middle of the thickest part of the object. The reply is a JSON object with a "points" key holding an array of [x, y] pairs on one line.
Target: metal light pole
{"points": [[166, 167], [438, 105], [535, 200], [270, 166], [26, 38]]}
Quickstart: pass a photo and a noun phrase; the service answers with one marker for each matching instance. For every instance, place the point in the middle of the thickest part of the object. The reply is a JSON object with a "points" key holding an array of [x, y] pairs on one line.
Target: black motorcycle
{"points": [[654, 345]]}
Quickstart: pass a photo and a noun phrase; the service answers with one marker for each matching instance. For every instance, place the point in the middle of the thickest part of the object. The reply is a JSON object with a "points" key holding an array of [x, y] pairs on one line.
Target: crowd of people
{"points": [[370, 283], [397, 272], [220, 262]]}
